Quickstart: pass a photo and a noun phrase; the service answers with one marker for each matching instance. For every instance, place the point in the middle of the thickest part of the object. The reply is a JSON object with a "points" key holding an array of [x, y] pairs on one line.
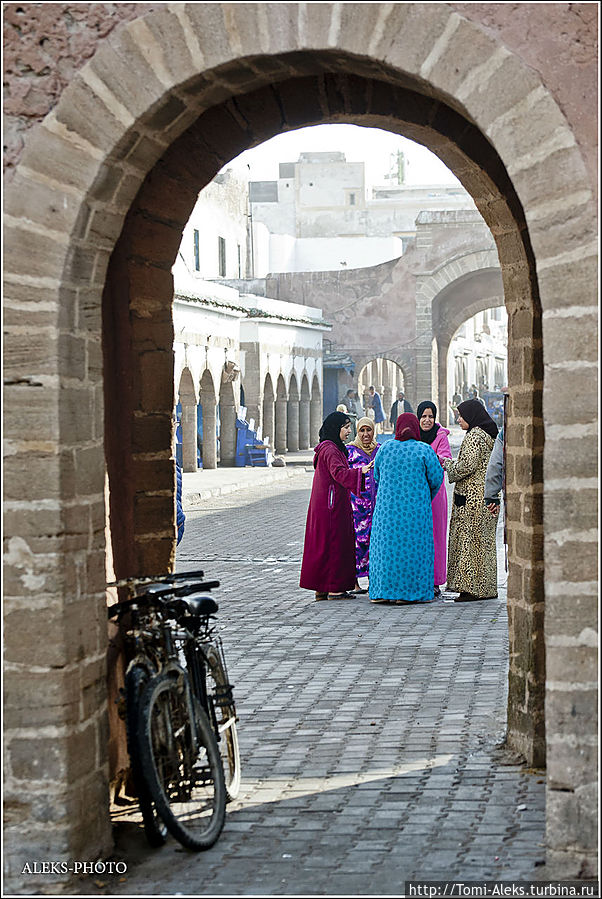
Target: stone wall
{"points": [[106, 159]]}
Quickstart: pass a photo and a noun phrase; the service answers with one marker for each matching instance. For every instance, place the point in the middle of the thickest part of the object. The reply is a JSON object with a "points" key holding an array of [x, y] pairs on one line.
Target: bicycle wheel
{"points": [[220, 692], [154, 829], [181, 762]]}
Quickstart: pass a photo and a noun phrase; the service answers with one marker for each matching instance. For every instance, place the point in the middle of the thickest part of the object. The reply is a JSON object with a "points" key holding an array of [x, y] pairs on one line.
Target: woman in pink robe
{"points": [[328, 565], [437, 437]]}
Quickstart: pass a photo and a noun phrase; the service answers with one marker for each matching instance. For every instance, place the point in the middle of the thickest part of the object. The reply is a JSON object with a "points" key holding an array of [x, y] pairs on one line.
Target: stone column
{"points": [[315, 421], [292, 427], [209, 438], [267, 424], [281, 428], [189, 449], [227, 434], [304, 423]]}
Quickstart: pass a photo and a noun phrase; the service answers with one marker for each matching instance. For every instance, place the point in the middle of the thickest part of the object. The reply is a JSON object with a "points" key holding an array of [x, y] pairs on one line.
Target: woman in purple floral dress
{"points": [[360, 452]]}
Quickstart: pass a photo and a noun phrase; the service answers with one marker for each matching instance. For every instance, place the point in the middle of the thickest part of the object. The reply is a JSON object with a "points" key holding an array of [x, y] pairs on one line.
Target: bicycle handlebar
{"points": [[160, 578], [158, 598]]}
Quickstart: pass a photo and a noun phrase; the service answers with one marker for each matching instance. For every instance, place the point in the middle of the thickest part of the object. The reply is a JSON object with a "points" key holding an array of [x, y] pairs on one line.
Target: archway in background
{"points": [[117, 170]]}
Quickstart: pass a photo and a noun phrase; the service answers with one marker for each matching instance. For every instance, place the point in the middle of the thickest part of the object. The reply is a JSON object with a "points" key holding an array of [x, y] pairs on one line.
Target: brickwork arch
{"points": [[103, 190]]}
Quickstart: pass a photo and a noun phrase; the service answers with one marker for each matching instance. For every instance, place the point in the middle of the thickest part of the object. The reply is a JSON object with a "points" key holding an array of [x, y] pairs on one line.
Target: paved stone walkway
{"points": [[369, 734]]}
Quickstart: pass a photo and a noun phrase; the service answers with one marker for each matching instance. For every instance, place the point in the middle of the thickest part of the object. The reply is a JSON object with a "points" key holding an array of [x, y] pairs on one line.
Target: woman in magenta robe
{"points": [[437, 437], [328, 565]]}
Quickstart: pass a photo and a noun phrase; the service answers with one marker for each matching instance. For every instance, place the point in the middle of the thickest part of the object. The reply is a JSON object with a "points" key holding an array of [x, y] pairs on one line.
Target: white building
{"points": [[478, 354], [317, 216], [238, 356]]}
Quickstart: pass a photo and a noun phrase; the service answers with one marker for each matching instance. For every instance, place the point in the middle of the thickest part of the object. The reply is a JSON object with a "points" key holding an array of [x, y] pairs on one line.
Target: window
{"points": [[352, 199], [197, 255], [222, 256]]}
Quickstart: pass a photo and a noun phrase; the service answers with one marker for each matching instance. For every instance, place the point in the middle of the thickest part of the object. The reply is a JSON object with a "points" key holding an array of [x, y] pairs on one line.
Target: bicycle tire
{"points": [[220, 692], [184, 774], [155, 830]]}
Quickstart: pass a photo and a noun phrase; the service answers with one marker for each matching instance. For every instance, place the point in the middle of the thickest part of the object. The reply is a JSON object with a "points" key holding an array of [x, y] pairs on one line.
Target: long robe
{"points": [[408, 475], [472, 559], [362, 505], [328, 564], [440, 446]]}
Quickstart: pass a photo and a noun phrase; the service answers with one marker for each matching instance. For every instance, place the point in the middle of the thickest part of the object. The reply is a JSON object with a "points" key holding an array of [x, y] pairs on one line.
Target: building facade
{"points": [[317, 216]]}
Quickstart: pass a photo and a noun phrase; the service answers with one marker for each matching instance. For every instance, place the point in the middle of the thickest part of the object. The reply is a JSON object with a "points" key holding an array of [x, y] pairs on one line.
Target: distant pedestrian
{"points": [[402, 556], [375, 403], [352, 418], [437, 437], [361, 452], [472, 556], [328, 565], [350, 401], [400, 406]]}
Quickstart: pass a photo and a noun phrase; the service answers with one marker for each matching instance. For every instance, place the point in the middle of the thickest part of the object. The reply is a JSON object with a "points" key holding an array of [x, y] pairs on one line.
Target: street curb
{"points": [[192, 499]]}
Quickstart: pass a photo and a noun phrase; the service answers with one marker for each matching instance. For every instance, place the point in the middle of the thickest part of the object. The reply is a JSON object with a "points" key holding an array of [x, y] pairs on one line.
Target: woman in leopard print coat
{"points": [[472, 556]]}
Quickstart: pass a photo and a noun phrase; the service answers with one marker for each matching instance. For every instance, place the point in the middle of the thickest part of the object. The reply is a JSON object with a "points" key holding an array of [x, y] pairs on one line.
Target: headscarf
{"points": [[331, 429], [407, 427], [427, 436], [358, 441], [475, 414]]}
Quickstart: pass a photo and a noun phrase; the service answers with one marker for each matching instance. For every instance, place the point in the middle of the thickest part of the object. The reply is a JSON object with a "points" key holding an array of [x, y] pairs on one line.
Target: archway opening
{"points": [[166, 198]]}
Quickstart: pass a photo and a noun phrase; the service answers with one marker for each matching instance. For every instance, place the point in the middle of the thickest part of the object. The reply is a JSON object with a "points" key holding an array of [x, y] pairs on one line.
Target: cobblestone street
{"points": [[369, 735]]}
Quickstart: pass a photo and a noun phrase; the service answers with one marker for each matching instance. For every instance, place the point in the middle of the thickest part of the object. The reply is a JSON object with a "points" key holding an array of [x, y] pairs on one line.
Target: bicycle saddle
{"points": [[197, 606]]}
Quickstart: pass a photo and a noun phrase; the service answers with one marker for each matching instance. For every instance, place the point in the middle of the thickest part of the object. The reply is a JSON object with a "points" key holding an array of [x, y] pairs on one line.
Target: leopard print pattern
{"points": [[472, 555]]}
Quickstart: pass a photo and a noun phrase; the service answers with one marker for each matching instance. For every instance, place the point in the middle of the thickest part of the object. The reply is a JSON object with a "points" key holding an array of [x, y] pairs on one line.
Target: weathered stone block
{"points": [[42, 203], [149, 511], [59, 159], [156, 382], [569, 614], [572, 664], [151, 432], [562, 344], [22, 245], [560, 560], [570, 457], [76, 414], [89, 470], [127, 74], [156, 555], [85, 114], [571, 819], [34, 699]]}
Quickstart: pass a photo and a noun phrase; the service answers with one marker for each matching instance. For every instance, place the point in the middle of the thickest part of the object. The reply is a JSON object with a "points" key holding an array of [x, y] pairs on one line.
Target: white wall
{"points": [[220, 211]]}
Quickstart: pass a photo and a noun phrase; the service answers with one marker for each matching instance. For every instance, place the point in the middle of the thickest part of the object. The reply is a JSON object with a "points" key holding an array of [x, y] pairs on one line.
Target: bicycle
{"points": [[179, 710]]}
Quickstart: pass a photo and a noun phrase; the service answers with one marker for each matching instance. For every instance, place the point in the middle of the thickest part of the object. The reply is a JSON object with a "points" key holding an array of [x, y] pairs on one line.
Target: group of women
{"points": [[380, 511]]}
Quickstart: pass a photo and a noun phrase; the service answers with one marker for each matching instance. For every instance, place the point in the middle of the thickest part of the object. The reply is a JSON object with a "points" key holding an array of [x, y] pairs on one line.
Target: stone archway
{"points": [[103, 190], [455, 292]]}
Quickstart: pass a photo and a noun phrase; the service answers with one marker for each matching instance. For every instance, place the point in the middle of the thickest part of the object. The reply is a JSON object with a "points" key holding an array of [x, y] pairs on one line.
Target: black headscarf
{"points": [[331, 429], [427, 436], [475, 413]]}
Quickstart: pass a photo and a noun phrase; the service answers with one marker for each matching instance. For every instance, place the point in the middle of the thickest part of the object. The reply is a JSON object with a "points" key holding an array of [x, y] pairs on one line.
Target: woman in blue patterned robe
{"points": [[360, 452], [408, 476]]}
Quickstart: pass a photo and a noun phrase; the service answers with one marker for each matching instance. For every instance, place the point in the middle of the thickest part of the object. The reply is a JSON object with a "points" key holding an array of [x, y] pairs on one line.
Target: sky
{"points": [[373, 146]]}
